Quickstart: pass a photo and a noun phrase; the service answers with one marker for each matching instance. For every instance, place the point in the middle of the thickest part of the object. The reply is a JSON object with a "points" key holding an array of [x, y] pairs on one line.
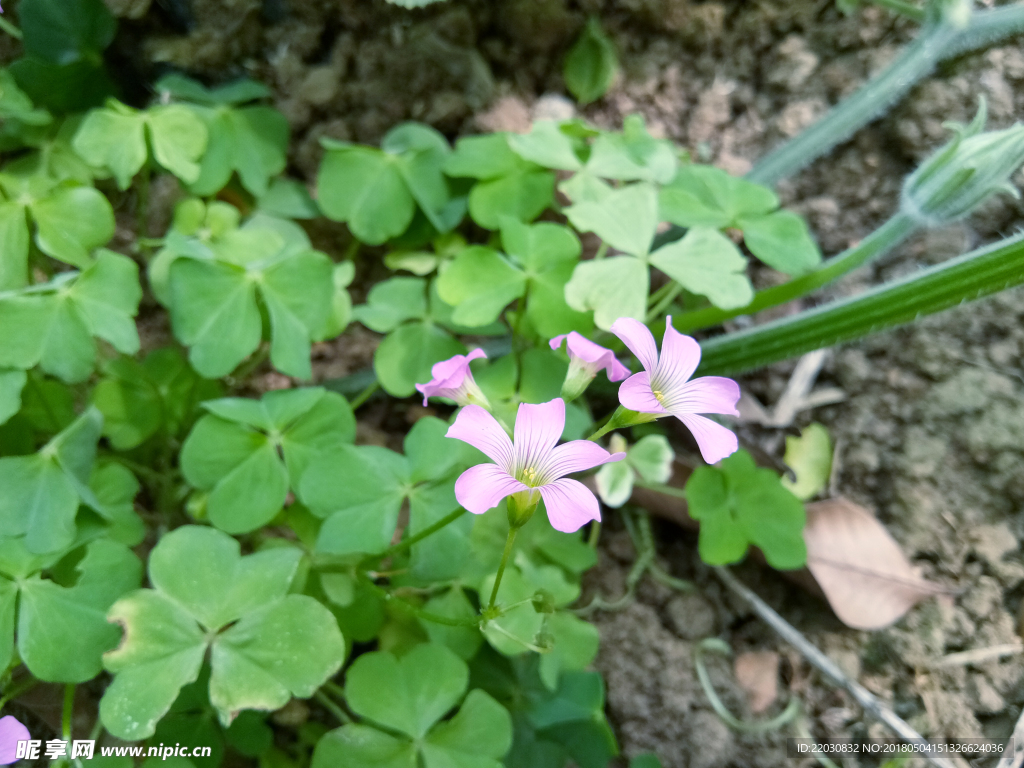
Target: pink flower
{"points": [[532, 465], [454, 380], [665, 387], [11, 732], [585, 359]]}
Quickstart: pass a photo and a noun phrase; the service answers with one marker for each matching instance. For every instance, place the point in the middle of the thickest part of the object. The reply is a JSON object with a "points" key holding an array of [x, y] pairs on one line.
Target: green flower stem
{"points": [[878, 243], [419, 613], [664, 301], [365, 395], [245, 369], [620, 419], [512, 531], [142, 204], [719, 646], [972, 276], [331, 706], [937, 42], [69, 710], [404, 544], [10, 29], [911, 11], [15, 690], [667, 490]]}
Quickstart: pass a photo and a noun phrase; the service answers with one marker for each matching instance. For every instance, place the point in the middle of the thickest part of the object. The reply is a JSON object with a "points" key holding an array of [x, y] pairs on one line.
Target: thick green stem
{"points": [[501, 568], [878, 243], [661, 488], [69, 710], [331, 706], [623, 417], [365, 395], [10, 29], [664, 301], [404, 544], [979, 273]]}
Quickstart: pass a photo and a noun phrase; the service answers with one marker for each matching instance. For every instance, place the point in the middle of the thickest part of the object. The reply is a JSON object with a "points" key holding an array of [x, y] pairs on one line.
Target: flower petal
{"points": [[635, 394], [615, 370], [707, 394], [448, 375], [538, 427], [11, 732], [639, 339], [556, 342], [480, 488], [474, 425], [715, 441], [585, 349], [576, 456], [570, 505], [680, 356]]}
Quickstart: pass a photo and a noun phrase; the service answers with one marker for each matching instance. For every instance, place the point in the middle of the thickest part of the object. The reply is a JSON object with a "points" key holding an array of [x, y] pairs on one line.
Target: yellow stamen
{"points": [[657, 394], [530, 474]]}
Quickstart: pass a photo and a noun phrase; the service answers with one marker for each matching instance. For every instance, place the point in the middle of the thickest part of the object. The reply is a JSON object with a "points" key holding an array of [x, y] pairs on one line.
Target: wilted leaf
{"points": [[757, 673], [864, 574], [810, 458]]}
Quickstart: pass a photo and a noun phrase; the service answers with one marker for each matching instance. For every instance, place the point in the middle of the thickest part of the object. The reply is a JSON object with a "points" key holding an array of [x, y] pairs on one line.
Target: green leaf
{"points": [[178, 138], [115, 487], [741, 504], [340, 314], [69, 88], [626, 219], [613, 287], [707, 263], [249, 140], [464, 641], [391, 302], [298, 294], [652, 457], [360, 746], [11, 384], [810, 457], [482, 157], [275, 645], [71, 222], [63, 631], [524, 194], [364, 188], [479, 283], [515, 631], [648, 760], [442, 555], [701, 195], [13, 246], [359, 489], [615, 483], [66, 31], [425, 683], [478, 736], [547, 146], [633, 155], [422, 152], [591, 64], [187, 89], [40, 493], [288, 198], [405, 357], [575, 647], [782, 241]]}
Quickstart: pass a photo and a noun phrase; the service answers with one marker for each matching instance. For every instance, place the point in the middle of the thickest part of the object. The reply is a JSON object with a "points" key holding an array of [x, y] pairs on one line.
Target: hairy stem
{"points": [[877, 244], [501, 568]]}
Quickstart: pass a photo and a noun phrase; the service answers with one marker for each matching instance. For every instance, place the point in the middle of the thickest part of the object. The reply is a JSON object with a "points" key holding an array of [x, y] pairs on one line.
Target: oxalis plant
{"points": [[198, 556]]}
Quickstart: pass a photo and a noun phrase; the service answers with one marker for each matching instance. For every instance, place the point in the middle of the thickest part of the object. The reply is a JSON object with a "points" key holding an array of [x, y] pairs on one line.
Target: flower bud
{"points": [[543, 601], [521, 507], [964, 173], [954, 13]]}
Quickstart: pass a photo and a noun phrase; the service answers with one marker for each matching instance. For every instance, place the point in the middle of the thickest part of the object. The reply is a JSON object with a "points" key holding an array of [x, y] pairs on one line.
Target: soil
{"points": [[930, 435]]}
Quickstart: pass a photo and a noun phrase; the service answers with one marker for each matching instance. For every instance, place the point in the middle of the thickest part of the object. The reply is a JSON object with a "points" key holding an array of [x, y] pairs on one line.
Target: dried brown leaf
{"points": [[757, 673], [864, 574]]}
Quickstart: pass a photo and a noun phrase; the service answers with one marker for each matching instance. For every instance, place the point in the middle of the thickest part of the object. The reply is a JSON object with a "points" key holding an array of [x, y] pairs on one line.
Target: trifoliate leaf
{"points": [[547, 146], [741, 504], [11, 384], [407, 354], [364, 188], [626, 219], [524, 193], [206, 596], [782, 241], [701, 195], [392, 302], [612, 287], [633, 155], [480, 283], [707, 263]]}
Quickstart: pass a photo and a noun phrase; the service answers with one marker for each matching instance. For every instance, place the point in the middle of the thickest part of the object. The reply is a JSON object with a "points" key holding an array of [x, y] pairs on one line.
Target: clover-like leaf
{"points": [[63, 32], [266, 645], [523, 193], [707, 263], [574, 647], [547, 146], [626, 219], [233, 452], [11, 384], [702, 195], [633, 155], [120, 139], [53, 325], [613, 287], [480, 283], [392, 302], [810, 458], [214, 309], [741, 504], [63, 631], [782, 241], [40, 493]]}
